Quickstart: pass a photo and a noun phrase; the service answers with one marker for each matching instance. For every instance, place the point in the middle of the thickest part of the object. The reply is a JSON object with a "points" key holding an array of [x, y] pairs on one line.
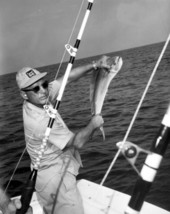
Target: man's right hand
{"points": [[14, 205], [97, 121]]}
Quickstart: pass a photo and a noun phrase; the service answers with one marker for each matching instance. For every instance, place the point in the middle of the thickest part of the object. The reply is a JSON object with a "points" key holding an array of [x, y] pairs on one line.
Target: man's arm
{"points": [[80, 71], [83, 135]]}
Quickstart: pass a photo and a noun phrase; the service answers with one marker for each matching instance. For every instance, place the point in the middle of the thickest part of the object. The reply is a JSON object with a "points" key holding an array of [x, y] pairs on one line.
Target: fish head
{"points": [[115, 63]]}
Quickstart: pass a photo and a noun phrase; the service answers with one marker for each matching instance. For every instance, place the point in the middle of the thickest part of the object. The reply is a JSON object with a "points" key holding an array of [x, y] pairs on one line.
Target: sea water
{"points": [[123, 96]]}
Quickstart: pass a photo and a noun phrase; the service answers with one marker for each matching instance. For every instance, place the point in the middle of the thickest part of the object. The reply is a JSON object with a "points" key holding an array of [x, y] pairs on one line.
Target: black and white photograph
{"points": [[84, 106]]}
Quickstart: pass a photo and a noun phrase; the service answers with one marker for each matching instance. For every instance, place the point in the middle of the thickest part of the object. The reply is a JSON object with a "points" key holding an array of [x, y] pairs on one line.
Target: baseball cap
{"points": [[27, 76]]}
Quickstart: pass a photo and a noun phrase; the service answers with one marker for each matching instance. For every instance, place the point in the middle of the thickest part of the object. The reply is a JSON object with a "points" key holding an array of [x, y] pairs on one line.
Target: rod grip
{"points": [[27, 193]]}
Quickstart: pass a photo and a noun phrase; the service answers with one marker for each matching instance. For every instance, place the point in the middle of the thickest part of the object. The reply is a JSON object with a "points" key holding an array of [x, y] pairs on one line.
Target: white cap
{"points": [[27, 76]]}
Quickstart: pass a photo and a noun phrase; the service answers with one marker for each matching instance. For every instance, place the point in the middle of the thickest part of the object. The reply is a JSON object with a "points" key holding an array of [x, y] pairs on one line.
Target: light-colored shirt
{"points": [[35, 123]]}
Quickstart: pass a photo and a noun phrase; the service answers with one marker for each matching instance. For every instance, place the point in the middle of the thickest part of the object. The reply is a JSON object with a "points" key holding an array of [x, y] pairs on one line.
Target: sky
{"points": [[34, 32]]}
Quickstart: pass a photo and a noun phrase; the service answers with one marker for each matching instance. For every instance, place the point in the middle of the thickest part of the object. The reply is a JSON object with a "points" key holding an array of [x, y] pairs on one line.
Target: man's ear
{"points": [[24, 95]]}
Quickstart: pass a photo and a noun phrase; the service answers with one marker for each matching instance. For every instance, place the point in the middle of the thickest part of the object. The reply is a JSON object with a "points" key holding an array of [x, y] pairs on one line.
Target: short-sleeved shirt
{"points": [[35, 123]]}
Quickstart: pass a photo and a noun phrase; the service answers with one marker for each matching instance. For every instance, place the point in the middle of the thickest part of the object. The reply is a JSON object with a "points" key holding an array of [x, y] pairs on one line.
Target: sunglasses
{"points": [[36, 89]]}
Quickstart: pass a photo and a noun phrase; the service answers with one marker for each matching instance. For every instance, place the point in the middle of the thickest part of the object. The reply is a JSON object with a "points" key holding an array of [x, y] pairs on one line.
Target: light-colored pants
{"points": [[58, 194]]}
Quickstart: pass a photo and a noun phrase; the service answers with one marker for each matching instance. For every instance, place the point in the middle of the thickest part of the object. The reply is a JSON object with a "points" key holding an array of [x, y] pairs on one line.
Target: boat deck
{"points": [[98, 199]]}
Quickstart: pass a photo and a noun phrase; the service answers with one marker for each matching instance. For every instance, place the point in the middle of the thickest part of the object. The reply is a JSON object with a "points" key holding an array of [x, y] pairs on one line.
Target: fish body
{"points": [[100, 82]]}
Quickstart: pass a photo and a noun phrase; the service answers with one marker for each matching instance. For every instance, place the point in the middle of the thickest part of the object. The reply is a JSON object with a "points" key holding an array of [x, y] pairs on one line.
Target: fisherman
{"points": [[56, 179], [9, 207]]}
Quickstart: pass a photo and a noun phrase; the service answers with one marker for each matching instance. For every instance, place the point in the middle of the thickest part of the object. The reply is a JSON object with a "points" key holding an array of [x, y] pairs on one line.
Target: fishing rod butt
{"points": [[140, 191], [27, 193]]}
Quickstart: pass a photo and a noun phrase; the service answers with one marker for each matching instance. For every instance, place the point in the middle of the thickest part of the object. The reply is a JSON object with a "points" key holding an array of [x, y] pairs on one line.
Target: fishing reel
{"points": [[50, 111], [131, 152]]}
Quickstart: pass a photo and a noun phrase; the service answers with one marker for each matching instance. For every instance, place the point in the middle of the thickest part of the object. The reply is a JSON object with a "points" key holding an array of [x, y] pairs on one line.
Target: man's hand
{"points": [[14, 205], [103, 63], [97, 121], [84, 134]]}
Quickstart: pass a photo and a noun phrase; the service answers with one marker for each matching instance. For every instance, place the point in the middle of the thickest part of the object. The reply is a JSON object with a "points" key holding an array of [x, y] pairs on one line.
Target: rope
{"points": [[137, 110], [68, 42], [78, 15], [9, 182]]}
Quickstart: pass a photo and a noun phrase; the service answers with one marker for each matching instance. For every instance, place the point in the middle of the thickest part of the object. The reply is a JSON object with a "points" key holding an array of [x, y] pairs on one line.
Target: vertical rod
{"points": [[150, 167]]}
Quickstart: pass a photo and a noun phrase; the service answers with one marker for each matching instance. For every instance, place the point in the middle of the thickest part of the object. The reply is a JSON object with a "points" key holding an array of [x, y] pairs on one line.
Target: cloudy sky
{"points": [[34, 32]]}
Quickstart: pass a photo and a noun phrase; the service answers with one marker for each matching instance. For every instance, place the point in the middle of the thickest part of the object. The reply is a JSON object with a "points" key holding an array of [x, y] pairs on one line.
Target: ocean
{"points": [[123, 96]]}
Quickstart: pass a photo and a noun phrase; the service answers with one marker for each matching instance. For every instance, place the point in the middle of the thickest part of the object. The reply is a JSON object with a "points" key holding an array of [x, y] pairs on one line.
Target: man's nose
{"points": [[42, 89]]}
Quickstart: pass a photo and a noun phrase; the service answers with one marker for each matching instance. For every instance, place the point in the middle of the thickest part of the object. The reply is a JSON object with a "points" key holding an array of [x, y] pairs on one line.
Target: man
{"points": [[58, 158], [9, 207]]}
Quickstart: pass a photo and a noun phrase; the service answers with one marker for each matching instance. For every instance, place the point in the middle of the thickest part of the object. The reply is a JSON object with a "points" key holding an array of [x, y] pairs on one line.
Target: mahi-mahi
{"points": [[100, 82]]}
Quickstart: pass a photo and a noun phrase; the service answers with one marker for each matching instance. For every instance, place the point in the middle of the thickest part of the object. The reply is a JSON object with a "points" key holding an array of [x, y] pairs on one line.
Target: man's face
{"points": [[37, 93]]}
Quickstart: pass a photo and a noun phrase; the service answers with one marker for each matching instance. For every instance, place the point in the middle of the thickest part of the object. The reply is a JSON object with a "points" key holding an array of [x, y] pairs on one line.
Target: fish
{"points": [[100, 81]]}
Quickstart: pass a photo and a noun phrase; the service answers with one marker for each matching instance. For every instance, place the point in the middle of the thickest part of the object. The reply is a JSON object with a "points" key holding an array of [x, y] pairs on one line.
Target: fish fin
{"points": [[92, 134], [103, 133], [102, 82], [92, 90]]}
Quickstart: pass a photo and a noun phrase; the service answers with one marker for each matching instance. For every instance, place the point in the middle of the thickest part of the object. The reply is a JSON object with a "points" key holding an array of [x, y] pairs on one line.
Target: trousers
{"points": [[59, 193]]}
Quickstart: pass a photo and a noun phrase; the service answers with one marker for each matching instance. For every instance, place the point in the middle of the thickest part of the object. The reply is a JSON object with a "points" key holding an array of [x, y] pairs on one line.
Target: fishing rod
{"points": [[151, 166], [30, 185]]}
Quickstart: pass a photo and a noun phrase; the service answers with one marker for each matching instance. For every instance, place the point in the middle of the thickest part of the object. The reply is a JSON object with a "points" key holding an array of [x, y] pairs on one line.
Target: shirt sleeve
{"points": [[60, 139], [60, 134]]}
